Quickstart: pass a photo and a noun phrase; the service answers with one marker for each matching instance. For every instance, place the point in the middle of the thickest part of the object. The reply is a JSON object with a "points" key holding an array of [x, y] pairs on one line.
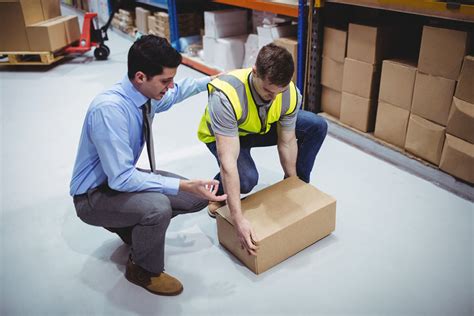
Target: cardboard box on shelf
{"points": [[332, 73], [442, 51], [286, 218], [461, 120], [358, 112], [142, 19], [391, 123], [331, 101], [397, 82], [15, 15], [361, 78], [291, 45], [425, 139], [367, 43], [458, 158], [335, 43], [465, 86], [224, 53], [269, 33], [151, 23], [432, 97], [225, 23]]}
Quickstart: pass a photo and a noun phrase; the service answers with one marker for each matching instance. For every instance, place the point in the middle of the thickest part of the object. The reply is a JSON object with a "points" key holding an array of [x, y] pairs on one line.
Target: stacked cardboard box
{"points": [[268, 33], [225, 37], [142, 19], [334, 53], [124, 21], [291, 45], [395, 98], [438, 70], [188, 24], [366, 48], [457, 157], [286, 217], [53, 34], [21, 19]]}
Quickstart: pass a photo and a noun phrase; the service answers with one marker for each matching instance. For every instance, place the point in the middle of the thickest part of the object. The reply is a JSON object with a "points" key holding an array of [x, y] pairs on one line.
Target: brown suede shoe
{"points": [[160, 284], [212, 207]]}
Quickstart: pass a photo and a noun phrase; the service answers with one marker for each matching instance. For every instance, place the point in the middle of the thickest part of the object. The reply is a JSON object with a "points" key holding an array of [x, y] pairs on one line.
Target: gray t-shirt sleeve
{"points": [[288, 122], [223, 120]]}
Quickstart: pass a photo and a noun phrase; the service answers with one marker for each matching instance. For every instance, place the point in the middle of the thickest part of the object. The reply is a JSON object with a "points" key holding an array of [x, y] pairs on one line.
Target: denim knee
{"points": [[248, 181]]}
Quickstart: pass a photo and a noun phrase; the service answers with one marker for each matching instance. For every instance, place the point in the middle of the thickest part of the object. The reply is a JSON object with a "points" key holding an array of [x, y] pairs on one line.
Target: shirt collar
{"points": [[136, 96], [256, 97]]}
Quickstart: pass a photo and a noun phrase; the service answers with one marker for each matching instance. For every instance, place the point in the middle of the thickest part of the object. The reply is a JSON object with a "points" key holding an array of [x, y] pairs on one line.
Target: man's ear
{"points": [[140, 77], [254, 70]]}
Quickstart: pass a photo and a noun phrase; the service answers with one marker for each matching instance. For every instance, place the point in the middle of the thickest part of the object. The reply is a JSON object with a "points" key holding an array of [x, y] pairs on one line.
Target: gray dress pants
{"points": [[146, 214]]}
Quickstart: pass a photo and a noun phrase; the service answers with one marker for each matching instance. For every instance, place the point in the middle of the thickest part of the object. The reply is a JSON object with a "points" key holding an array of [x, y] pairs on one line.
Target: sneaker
{"points": [[212, 208], [159, 284]]}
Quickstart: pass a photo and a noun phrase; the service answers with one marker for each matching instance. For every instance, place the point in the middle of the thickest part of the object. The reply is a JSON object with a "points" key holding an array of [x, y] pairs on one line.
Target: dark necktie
{"points": [[148, 133]]}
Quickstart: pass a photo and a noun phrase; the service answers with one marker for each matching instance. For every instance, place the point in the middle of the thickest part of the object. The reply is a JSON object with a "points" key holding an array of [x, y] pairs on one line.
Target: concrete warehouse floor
{"points": [[402, 245]]}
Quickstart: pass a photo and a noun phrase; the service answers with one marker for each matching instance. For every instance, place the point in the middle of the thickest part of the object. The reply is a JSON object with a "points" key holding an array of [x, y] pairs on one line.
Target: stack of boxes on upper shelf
{"points": [[416, 110], [156, 23], [35, 26], [124, 21], [228, 44]]}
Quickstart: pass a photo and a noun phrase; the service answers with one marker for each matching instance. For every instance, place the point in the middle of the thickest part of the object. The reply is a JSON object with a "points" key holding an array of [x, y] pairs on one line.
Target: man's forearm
{"points": [[288, 153], [231, 180]]}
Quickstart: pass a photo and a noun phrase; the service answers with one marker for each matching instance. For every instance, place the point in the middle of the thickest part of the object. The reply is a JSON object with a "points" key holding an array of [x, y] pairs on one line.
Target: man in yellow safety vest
{"points": [[257, 107]]}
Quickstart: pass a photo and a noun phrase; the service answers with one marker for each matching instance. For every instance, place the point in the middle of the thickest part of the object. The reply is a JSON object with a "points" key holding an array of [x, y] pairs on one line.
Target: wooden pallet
{"points": [[30, 58]]}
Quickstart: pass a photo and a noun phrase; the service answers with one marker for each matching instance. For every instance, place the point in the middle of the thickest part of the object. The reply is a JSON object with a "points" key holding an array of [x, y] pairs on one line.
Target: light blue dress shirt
{"points": [[112, 139]]}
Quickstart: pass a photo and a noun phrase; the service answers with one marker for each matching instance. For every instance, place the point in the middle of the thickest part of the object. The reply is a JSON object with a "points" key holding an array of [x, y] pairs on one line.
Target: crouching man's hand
{"points": [[206, 189]]}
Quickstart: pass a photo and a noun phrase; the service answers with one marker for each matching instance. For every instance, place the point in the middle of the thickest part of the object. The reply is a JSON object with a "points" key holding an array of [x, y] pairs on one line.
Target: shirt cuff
{"points": [[201, 83], [170, 185]]}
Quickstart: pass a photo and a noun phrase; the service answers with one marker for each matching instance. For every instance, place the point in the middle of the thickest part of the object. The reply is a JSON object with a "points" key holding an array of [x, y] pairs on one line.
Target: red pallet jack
{"points": [[92, 36]]}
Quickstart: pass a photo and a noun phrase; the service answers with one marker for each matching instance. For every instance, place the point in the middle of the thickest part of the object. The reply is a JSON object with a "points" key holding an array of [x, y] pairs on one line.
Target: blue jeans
{"points": [[310, 132]]}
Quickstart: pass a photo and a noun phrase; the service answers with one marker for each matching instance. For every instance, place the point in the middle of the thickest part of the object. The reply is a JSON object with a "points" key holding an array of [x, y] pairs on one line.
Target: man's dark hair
{"points": [[149, 54], [275, 64]]}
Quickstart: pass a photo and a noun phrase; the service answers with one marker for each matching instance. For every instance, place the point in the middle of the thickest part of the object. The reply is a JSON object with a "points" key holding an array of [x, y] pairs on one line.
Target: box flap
{"points": [[279, 206]]}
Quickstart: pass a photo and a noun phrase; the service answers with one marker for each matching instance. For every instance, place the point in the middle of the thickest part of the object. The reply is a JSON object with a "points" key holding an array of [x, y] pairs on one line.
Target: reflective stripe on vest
{"points": [[235, 86]]}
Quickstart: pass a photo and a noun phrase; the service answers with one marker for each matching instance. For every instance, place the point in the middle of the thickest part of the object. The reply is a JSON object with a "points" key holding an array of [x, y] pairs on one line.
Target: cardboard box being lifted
{"points": [[286, 218]]}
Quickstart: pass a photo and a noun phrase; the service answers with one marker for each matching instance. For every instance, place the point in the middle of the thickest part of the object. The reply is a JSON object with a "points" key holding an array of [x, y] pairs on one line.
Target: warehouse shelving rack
{"points": [[449, 10], [299, 11]]}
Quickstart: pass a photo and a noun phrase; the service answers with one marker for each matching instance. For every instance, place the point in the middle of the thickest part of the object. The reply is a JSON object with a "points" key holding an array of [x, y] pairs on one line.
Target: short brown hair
{"points": [[275, 64]]}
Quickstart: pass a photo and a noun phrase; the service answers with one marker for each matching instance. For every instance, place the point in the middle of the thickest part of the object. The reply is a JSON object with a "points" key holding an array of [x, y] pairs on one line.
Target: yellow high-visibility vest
{"points": [[235, 86]]}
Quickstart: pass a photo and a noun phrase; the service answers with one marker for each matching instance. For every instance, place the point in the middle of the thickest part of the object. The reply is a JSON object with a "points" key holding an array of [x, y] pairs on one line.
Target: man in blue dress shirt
{"points": [[107, 188]]}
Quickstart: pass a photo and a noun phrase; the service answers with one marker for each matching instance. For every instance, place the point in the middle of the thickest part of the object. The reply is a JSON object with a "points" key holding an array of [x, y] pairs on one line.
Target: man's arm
{"points": [[109, 133], [287, 150], [228, 148], [182, 90]]}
